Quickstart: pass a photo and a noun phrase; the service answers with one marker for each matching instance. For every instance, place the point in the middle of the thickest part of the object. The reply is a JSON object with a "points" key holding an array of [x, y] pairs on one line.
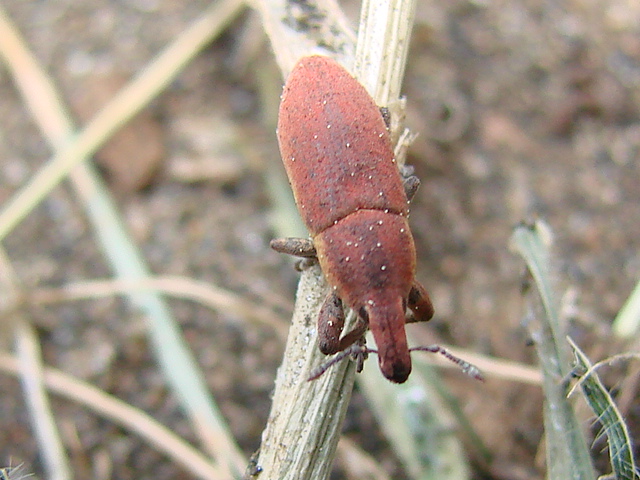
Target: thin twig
{"points": [[29, 369], [187, 288], [303, 428], [305, 420], [123, 414], [125, 105], [173, 353]]}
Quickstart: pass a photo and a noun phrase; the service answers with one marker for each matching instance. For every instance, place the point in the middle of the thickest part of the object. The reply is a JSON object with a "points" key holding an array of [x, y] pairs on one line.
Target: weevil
{"points": [[339, 158]]}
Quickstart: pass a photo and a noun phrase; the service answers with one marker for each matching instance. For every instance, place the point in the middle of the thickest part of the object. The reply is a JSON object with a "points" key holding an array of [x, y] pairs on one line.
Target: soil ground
{"points": [[524, 109]]}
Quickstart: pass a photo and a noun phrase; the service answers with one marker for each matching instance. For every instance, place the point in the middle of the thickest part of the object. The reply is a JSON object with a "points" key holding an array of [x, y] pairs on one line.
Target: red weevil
{"points": [[339, 158]]}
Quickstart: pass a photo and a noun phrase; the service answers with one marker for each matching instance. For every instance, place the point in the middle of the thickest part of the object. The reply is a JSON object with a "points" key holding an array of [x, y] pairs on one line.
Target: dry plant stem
{"points": [[319, 27], [303, 428], [125, 104], [29, 368], [305, 420], [129, 418], [36, 399], [301, 435], [180, 287], [383, 46], [357, 463], [491, 367], [51, 115], [172, 351], [220, 299]]}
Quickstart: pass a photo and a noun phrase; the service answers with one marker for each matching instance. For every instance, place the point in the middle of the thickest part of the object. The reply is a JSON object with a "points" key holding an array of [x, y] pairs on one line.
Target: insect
{"points": [[339, 159]]}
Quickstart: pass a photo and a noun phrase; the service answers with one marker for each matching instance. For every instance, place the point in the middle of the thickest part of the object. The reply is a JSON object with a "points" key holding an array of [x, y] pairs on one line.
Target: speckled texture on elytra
{"points": [[339, 158], [335, 145]]}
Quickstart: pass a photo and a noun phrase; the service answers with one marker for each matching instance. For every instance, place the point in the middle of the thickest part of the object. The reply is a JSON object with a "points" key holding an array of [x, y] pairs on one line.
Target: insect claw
{"points": [[358, 351]]}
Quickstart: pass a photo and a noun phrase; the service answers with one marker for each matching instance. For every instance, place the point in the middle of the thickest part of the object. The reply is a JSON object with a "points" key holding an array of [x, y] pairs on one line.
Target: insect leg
{"points": [[411, 185], [330, 324], [420, 304], [299, 247]]}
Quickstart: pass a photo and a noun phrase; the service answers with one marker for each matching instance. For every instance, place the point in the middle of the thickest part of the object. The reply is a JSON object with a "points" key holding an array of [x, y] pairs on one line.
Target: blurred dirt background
{"points": [[524, 108]]}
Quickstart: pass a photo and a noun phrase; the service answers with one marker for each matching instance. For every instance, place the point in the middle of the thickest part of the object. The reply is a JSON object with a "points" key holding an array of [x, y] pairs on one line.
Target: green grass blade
{"points": [[599, 400], [567, 452], [627, 322]]}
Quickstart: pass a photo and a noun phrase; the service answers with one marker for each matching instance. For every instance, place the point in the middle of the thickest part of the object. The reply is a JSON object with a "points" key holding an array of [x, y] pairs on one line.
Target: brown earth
{"points": [[523, 108]]}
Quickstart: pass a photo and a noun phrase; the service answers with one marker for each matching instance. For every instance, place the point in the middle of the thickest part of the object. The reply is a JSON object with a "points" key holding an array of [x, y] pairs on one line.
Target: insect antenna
{"points": [[359, 352], [466, 367]]}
